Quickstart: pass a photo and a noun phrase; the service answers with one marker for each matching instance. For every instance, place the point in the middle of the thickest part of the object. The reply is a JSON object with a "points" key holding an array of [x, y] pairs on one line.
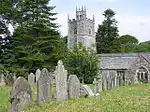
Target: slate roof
{"points": [[120, 60]]}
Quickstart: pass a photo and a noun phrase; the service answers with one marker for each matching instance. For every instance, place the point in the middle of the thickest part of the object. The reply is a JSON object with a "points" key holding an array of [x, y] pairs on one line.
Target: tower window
{"points": [[89, 31], [75, 31]]}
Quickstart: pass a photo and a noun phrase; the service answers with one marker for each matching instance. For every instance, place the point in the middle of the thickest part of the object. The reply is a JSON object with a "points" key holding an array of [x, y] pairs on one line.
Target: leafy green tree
{"points": [[143, 47], [128, 43], [36, 41], [82, 63], [107, 34]]}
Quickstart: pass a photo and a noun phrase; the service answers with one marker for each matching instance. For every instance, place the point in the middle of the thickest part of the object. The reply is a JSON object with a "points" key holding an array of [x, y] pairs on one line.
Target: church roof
{"points": [[120, 60]]}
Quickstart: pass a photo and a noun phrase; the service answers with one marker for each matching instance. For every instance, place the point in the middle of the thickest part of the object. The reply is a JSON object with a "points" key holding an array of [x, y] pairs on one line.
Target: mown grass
{"points": [[4, 95], [135, 98]]}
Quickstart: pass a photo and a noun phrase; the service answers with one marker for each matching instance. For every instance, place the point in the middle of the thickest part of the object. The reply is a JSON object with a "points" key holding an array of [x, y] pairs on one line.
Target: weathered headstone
{"points": [[95, 86], [43, 87], [14, 77], [2, 81], [61, 82], [85, 91], [31, 78], [135, 78], [73, 87], [21, 95], [99, 85], [37, 73]]}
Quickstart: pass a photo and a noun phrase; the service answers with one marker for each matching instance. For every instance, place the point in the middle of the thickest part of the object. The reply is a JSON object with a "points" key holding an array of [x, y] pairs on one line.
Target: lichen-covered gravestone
{"points": [[60, 82], [85, 91], [43, 86], [37, 73], [73, 87], [31, 78], [21, 95]]}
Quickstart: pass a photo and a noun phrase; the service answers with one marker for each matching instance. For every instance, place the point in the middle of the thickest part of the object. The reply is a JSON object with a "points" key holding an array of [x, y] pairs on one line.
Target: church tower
{"points": [[81, 29]]}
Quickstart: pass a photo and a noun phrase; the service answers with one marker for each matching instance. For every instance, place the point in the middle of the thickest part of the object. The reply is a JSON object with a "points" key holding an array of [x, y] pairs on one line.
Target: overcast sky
{"points": [[133, 16]]}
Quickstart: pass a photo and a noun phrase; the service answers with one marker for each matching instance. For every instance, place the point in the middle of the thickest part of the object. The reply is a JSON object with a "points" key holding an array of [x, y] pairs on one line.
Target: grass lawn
{"points": [[4, 94], [134, 98]]}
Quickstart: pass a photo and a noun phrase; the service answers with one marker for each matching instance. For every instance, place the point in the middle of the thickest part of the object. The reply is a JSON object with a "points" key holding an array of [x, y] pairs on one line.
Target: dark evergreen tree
{"points": [[107, 34], [36, 41]]}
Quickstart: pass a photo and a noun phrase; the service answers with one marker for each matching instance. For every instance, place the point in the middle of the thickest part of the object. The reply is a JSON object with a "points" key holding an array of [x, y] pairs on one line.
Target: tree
{"points": [[36, 41], [143, 47], [107, 34], [82, 63], [128, 43], [7, 17]]}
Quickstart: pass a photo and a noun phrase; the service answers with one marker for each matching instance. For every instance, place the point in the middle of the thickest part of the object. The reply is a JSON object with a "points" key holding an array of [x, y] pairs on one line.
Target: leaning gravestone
{"points": [[37, 73], [31, 78], [85, 91], [21, 95], [43, 87], [60, 82], [73, 87]]}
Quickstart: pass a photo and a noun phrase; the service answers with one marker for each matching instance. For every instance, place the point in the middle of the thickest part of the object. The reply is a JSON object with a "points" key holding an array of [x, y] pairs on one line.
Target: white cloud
{"points": [[105, 0], [137, 26]]}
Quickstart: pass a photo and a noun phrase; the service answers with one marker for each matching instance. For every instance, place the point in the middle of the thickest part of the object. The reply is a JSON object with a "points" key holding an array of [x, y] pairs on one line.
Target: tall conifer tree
{"points": [[107, 34], [36, 41]]}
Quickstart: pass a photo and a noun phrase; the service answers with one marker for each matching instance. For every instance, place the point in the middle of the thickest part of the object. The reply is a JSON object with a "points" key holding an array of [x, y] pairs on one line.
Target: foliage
{"points": [[82, 63], [36, 41], [128, 43], [143, 47], [107, 34]]}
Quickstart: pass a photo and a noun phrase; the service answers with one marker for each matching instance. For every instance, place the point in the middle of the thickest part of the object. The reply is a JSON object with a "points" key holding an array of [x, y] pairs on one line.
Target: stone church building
{"points": [[115, 69], [124, 68], [81, 29]]}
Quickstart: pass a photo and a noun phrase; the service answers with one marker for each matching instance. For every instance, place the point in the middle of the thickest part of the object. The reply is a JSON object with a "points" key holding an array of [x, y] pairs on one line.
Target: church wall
{"points": [[72, 33]]}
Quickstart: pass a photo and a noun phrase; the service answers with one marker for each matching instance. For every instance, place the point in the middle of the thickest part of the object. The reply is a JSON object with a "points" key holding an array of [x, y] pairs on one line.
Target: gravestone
{"points": [[37, 73], [73, 87], [31, 78], [95, 82], [60, 82], [43, 86], [2, 81], [99, 84], [21, 95], [14, 77], [85, 91]]}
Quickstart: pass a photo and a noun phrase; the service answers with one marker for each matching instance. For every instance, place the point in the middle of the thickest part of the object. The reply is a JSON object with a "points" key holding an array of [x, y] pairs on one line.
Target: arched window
{"points": [[75, 31], [90, 32], [142, 74]]}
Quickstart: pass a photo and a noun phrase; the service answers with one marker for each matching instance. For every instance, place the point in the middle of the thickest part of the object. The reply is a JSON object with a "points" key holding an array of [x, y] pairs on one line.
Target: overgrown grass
{"points": [[4, 95], [135, 98]]}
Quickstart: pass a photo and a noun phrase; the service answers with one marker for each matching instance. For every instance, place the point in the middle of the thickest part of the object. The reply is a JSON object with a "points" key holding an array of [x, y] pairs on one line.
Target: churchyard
{"points": [[132, 98], [58, 92]]}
